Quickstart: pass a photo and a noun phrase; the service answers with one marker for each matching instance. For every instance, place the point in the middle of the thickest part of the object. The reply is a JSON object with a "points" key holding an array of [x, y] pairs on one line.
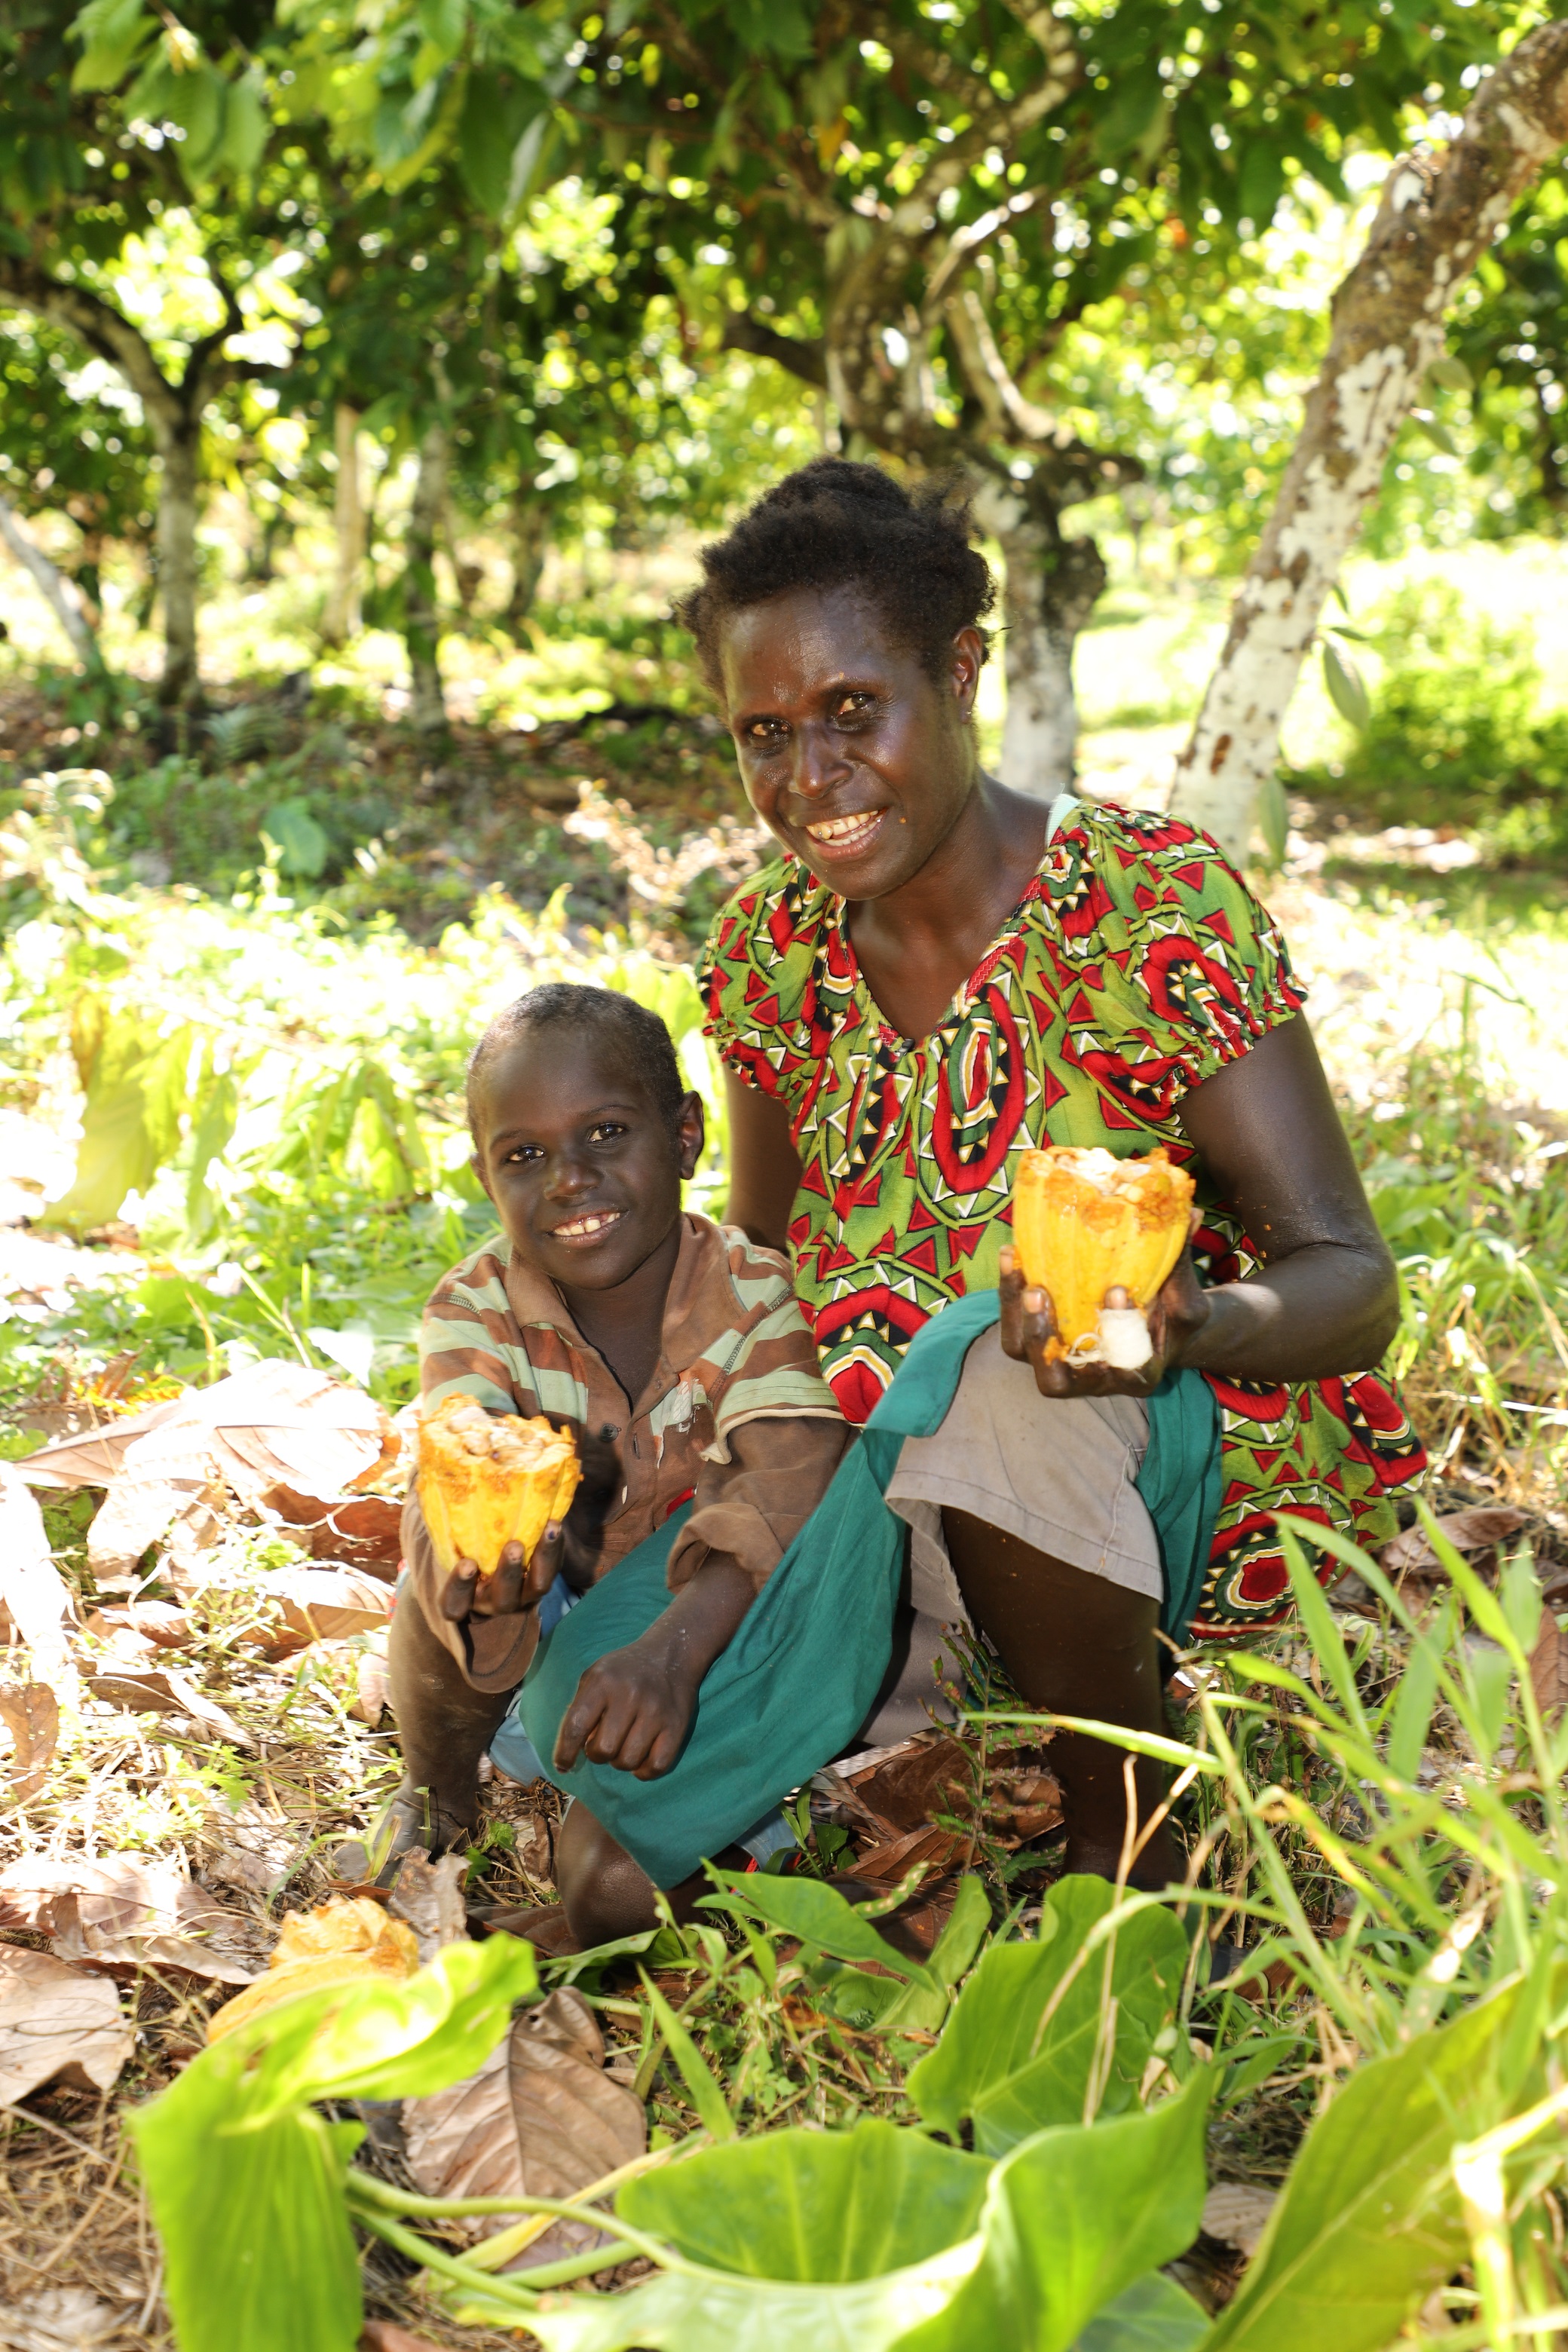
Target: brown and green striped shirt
{"points": [[737, 1415]]}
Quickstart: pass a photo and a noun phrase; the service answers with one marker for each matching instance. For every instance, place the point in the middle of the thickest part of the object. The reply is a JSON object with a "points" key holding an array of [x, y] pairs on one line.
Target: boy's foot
{"points": [[410, 1822]]}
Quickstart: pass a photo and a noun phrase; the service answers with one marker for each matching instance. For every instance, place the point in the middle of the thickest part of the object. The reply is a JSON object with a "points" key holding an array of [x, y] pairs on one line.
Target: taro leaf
{"points": [[1448, 370], [135, 1083], [246, 2183], [1368, 2221], [820, 1916], [256, 2245], [1072, 2217], [812, 2205], [1154, 2315], [56, 2024], [822, 2212], [1347, 689], [997, 2063]]}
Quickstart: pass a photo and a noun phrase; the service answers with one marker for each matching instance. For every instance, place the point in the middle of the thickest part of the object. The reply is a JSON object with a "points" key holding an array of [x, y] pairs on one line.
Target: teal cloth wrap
{"points": [[798, 1680]]}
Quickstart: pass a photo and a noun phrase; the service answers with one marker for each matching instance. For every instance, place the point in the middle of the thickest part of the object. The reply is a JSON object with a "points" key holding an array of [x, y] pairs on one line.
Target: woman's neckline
{"points": [[963, 994]]}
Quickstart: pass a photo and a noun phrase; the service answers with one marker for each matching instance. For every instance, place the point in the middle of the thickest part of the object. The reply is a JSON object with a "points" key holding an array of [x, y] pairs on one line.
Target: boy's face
{"points": [[580, 1162]]}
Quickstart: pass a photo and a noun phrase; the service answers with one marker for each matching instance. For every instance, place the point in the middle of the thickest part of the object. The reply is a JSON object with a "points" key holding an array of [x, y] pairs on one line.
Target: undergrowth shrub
{"points": [[1456, 737]]}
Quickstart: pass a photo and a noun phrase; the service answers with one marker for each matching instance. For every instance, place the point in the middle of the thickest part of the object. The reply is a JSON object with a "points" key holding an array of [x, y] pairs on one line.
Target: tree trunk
{"points": [[340, 619], [177, 433], [530, 547], [51, 582], [1438, 215], [1050, 588], [421, 616]]}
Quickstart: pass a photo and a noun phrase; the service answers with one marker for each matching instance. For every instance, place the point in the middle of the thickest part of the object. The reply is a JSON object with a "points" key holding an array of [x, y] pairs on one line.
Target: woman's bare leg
{"points": [[1076, 1645]]}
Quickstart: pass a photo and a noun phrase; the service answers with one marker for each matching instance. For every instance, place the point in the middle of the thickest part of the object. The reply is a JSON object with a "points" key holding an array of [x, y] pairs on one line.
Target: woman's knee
{"points": [[603, 1892]]}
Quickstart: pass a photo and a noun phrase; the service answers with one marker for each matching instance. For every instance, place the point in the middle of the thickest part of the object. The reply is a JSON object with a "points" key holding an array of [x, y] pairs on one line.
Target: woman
{"points": [[939, 973]]}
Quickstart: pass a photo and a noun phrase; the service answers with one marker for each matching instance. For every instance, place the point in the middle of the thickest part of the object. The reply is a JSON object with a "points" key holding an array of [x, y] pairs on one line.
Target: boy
{"points": [[677, 1353]]}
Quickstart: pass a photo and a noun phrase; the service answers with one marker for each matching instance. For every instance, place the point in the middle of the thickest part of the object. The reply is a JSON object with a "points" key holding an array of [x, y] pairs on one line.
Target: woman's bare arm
{"points": [[765, 1167], [1326, 1297]]}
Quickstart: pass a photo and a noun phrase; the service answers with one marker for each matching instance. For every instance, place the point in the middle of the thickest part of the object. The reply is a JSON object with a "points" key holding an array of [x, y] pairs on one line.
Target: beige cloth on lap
{"points": [[1057, 1472]]}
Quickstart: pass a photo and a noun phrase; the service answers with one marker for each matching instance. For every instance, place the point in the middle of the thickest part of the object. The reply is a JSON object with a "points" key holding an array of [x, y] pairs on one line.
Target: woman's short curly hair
{"points": [[839, 524]]}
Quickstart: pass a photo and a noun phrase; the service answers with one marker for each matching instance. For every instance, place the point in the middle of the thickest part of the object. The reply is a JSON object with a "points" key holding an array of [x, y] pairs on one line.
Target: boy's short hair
{"points": [[636, 1036]]}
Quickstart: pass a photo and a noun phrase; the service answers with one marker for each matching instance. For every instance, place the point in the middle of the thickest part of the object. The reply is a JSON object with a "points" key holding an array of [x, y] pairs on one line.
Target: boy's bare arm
{"points": [[634, 1707]]}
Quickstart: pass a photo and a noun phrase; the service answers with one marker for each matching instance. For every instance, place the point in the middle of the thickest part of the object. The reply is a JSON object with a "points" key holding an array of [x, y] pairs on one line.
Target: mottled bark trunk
{"points": [[1050, 588], [340, 619], [421, 614], [1439, 213], [530, 546], [51, 585], [177, 433]]}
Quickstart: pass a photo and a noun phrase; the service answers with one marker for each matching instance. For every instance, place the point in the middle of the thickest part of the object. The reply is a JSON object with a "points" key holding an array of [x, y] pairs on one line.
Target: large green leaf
{"points": [[258, 2252], [1369, 2221], [135, 1080], [1013, 2068], [811, 2205], [246, 2182], [1072, 2219], [709, 2311], [1154, 2314]]}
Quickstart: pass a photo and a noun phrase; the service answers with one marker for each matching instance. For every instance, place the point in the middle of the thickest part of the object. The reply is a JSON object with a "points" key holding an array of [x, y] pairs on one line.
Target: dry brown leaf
{"points": [[541, 2118], [925, 1777], [362, 1532], [36, 1597], [1235, 2214], [160, 1690], [328, 1604], [123, 1913], [59, 2319], [1549, 1668], [275, 1425], [31, 1713], [249, 1850], [428, 1897], [56, 2024], [156, 1622], [1476, 1530], [936, 1846]]}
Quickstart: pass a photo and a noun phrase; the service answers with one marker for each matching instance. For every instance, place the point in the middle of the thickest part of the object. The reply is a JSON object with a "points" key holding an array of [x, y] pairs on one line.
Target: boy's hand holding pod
{"points": [[495, 1491], [1099, 1291]]}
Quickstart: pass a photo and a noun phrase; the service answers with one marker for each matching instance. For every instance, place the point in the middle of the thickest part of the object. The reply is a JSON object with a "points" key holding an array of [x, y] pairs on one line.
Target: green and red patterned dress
{"points": [[1137, 965]]}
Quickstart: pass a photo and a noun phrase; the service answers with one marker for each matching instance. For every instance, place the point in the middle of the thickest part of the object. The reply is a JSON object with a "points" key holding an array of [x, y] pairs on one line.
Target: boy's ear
{"points": [[691, 1134], [476, 1163]]}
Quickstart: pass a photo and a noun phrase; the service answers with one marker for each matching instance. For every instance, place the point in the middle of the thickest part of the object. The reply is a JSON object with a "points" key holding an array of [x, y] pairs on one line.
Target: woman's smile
{"points": [[846, 837]]}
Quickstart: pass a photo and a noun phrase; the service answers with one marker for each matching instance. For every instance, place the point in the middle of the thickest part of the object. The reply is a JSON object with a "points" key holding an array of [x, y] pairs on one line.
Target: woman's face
{"points": [[852, 754]]}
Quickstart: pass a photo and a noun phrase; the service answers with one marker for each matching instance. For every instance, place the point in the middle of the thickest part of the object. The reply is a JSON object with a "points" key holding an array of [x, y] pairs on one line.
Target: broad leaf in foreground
{"points": [[1071, 2220], [1016, 2069], [1154, 2314], [246, 2182], [812, 2205], [1369, 2221]]}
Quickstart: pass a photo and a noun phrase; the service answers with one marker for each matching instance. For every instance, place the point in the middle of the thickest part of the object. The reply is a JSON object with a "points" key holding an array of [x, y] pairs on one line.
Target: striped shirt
{"points": [[736, 1361]]}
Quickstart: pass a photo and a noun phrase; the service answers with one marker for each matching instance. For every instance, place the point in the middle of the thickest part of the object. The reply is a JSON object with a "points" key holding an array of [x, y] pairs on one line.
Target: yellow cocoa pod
{"points": [[1085, 1222], [348, 1941], [488, 1480]]}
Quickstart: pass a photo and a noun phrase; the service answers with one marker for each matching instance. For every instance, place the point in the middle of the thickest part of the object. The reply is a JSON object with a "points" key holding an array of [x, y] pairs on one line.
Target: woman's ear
{"points": [[691, 1134], [966, 660]]}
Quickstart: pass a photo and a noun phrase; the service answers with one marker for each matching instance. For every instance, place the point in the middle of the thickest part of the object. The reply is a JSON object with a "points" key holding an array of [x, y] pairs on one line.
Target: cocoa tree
{"points": [[1439, 212]]}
